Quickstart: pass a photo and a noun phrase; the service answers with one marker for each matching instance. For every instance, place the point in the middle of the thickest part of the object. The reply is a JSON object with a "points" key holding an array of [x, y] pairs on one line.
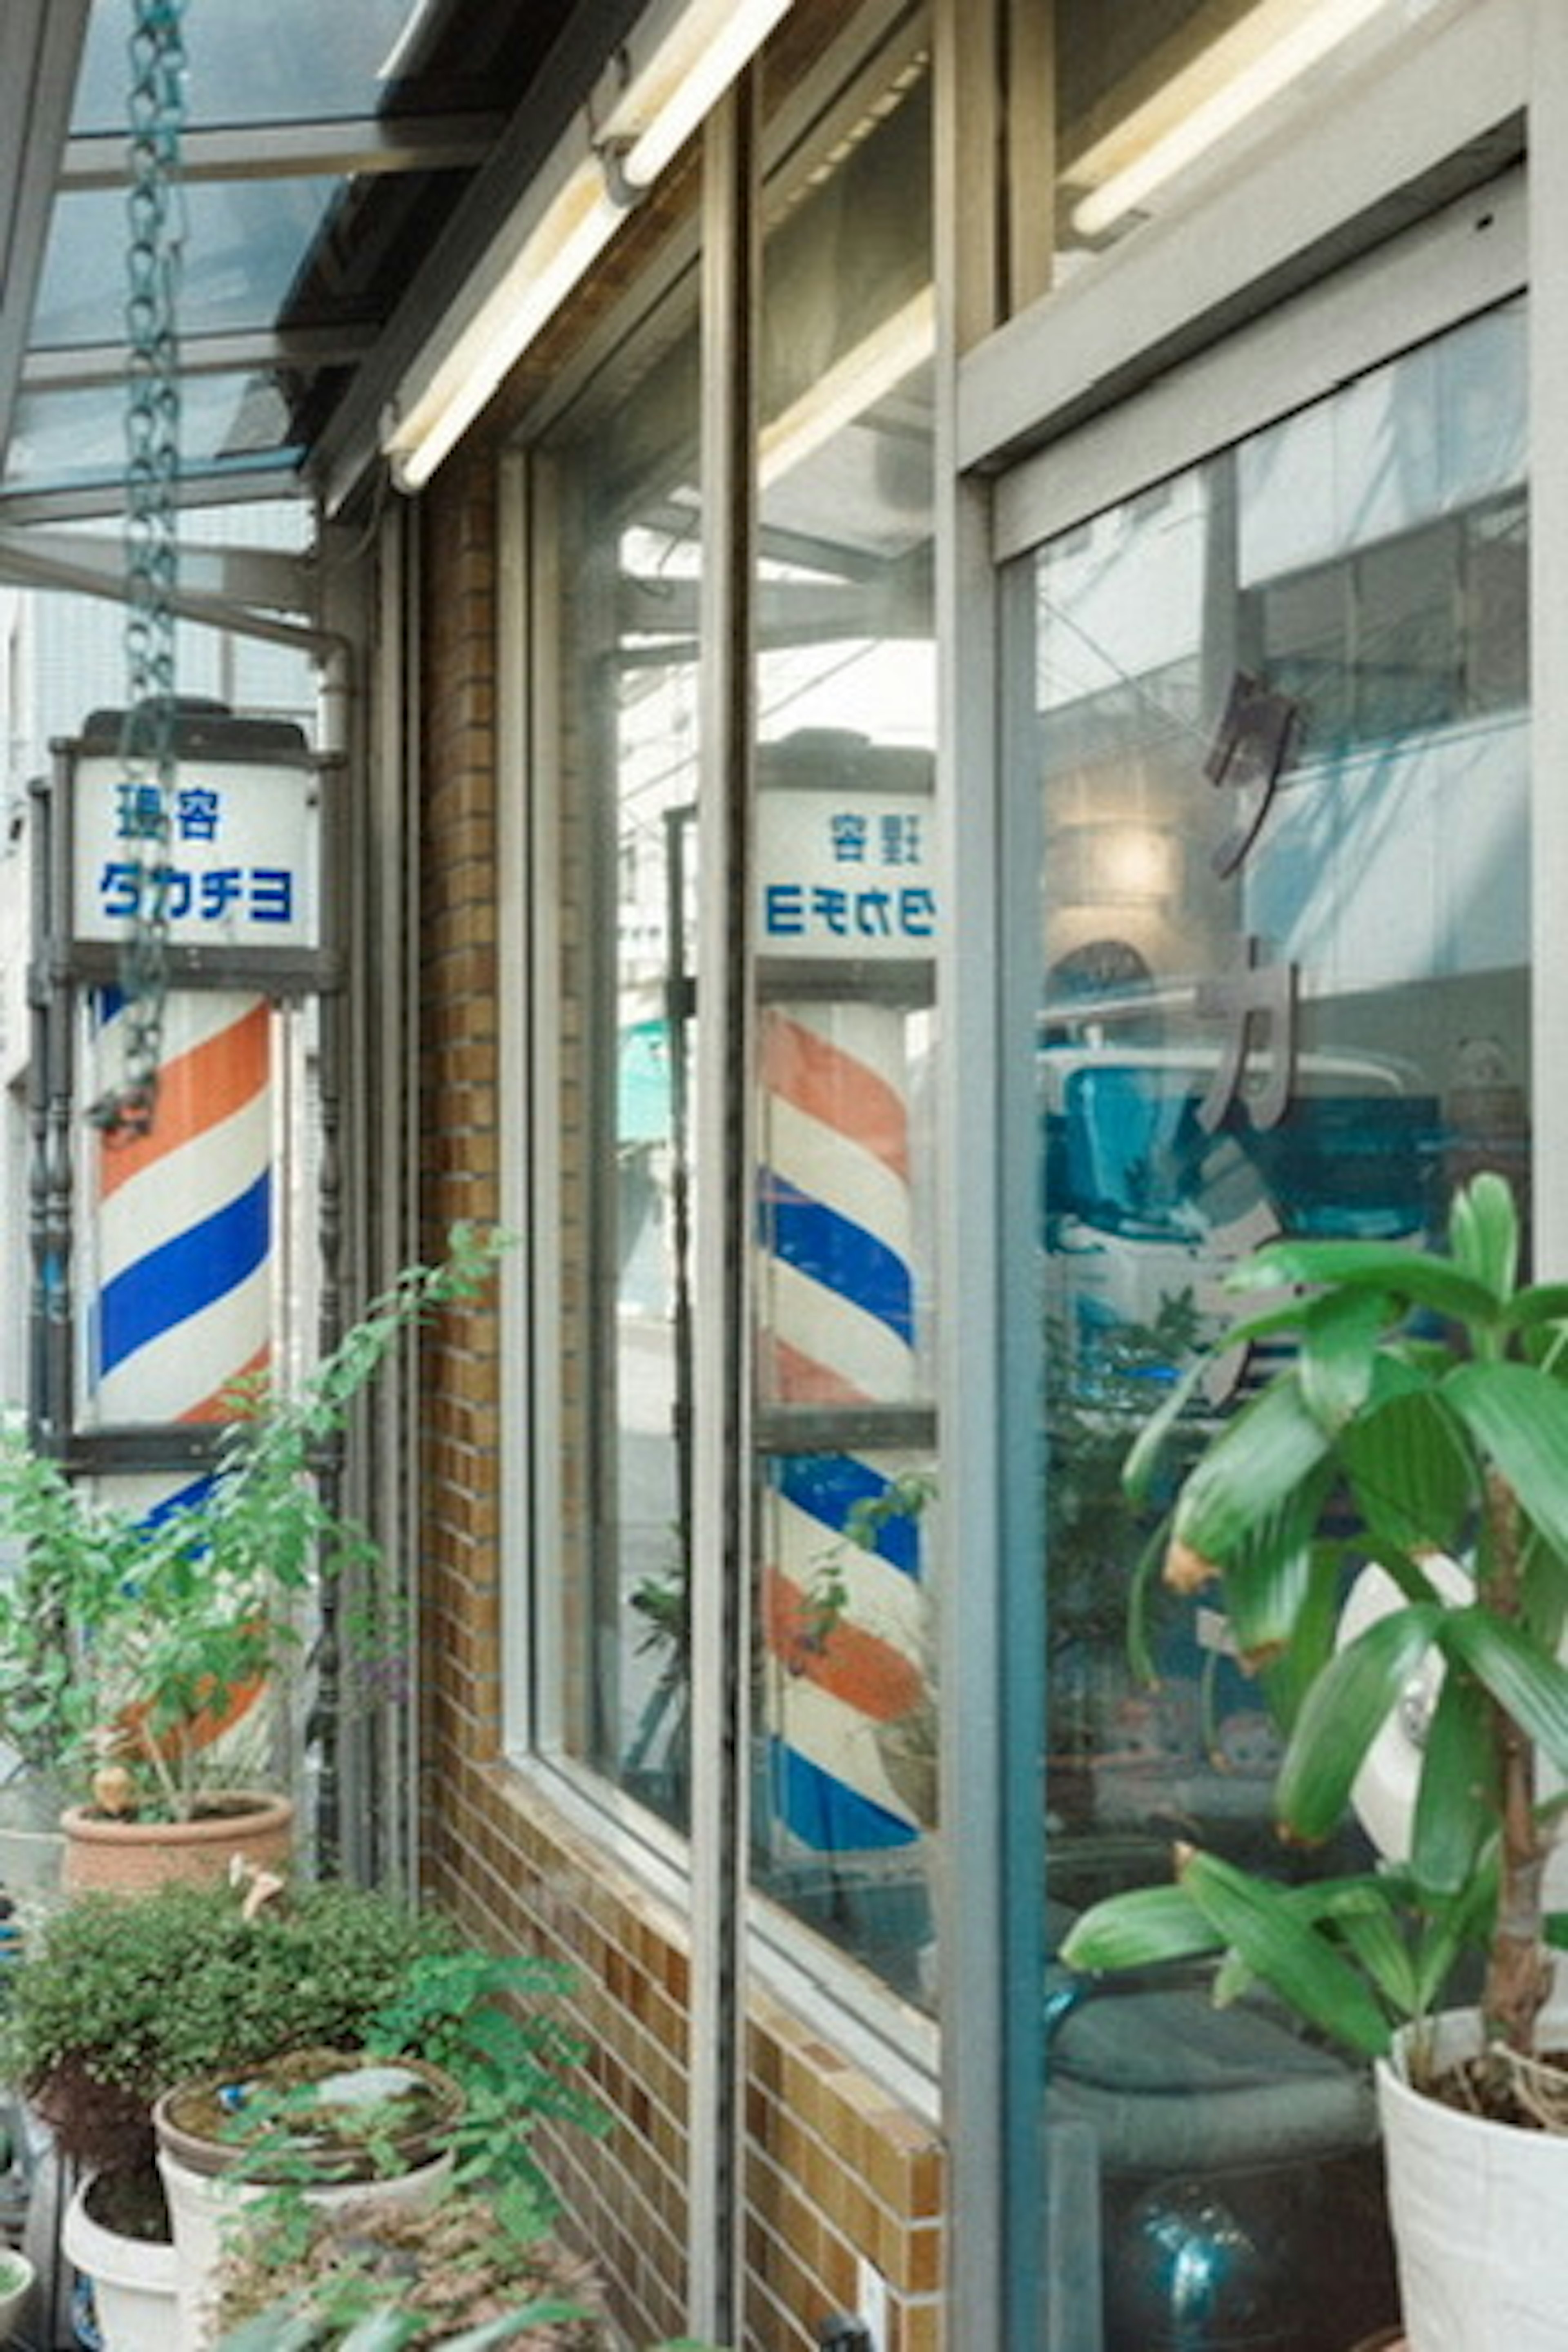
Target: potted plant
{"points": [[462, 2063], [444, 2273], [119, 1997], [129, 1639], [1418, 1434]]}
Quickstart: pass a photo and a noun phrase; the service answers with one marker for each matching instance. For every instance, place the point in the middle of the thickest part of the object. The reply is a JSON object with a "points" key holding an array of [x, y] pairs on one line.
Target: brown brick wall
{"points": [[834, 2169]]}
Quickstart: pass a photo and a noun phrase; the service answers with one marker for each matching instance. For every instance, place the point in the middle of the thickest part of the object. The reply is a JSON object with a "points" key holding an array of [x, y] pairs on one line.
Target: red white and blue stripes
{"points": [[183, 1307], [842, 1618]]}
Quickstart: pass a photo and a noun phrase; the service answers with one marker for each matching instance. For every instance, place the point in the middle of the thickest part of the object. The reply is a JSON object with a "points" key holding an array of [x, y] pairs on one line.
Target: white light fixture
{"points": [[694, 65], [865, 375], [1286, 53], [421, 428], [676, 63]]}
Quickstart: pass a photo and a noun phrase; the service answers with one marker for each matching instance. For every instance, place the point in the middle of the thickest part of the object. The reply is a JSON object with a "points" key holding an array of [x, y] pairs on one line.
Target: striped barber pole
{"points": [[182, 1307], [842, 1619], [182, 1303]]}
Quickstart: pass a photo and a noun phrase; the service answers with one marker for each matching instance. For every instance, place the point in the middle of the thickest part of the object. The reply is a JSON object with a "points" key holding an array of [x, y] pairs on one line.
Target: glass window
{"points": [[846, 909], [1152, 98], [1280, 767], [258, 61], [618, 889]]}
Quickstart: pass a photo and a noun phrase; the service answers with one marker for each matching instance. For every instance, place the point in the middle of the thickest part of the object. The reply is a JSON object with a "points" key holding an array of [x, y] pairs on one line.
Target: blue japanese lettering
{"points": [[272, 894], [784, 909]]}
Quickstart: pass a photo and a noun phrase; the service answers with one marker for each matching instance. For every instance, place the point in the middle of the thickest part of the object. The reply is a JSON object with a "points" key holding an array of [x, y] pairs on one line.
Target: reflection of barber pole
{"points": [[842, 1617], [183, 1307]]}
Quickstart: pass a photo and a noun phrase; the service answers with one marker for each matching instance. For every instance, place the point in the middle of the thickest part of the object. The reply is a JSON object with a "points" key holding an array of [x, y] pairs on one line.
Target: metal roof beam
{"points": [[269, 576], [75, 367], [209, 578], [89, 501], [281, 150], [41, 51]]}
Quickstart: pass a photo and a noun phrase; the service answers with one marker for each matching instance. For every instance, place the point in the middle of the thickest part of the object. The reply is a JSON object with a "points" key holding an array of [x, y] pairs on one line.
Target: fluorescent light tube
{"points": [[1292, 53], [682, 56], [691, 72], [567, 239]]}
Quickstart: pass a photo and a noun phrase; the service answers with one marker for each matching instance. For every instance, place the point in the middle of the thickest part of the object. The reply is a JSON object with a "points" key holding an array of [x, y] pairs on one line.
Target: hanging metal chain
{"points": [[147, 745]]}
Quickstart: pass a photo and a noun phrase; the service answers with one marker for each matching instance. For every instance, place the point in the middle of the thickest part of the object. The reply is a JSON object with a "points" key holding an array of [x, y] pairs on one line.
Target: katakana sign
{"points": [[848, 874], [232, 861]]}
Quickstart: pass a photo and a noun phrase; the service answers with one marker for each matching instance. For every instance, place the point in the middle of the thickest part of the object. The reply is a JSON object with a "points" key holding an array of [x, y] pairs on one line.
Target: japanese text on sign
{"points": [[230, 859], [844, 874]]}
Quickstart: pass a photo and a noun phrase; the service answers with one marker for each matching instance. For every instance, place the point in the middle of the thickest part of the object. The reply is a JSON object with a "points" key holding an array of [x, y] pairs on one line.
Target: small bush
{"points": [[123, 1996]]}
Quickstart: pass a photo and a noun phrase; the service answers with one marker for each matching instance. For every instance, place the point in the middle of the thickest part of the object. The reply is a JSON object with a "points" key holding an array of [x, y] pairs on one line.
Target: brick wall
{"points": [[834, 2169]]}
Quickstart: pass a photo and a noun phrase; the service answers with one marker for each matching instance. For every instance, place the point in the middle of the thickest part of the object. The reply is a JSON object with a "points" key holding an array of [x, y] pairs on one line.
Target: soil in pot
{"points": [[447, 2263], [344, 2113], [1503, 2086], [131, 2203]]}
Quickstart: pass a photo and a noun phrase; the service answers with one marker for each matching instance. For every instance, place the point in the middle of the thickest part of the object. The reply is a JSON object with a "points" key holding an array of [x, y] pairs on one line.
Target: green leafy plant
{"points": [[1423, 1418], [374, 2274], [118, 1998], [131, 1637], [490, 2022]]}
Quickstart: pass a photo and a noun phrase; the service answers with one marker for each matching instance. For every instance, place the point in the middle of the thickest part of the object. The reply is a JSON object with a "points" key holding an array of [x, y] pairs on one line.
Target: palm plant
{"points": [[1423, 1419]]}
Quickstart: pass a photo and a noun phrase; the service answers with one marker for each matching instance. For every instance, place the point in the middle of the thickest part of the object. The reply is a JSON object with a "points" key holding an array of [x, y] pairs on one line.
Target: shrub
{"points": [[123, 1996]]}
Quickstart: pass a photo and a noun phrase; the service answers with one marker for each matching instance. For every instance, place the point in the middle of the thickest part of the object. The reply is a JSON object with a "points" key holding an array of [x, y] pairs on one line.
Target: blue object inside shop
{"points": [[1224, 2159]]}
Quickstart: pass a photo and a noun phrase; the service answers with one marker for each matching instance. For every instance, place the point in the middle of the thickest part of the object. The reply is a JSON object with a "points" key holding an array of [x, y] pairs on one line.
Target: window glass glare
{"points": [[847, 918], [619, 1104], [1278, 757], [1154, 98]]}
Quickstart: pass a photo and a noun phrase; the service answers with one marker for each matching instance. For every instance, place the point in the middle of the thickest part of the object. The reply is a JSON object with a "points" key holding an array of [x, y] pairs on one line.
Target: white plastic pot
{"points": [[16, 2281], [202, 2204], [132, 2281], [1476, 2211], [204, 2195]]}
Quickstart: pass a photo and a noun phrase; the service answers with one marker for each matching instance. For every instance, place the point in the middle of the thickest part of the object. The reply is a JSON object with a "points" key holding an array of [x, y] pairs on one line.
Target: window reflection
{"points": [[1282, 732], [621, 896], [847, 910], [1154, 95]]}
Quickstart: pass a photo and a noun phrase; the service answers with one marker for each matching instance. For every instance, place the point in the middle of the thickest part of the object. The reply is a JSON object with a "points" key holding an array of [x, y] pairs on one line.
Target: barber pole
{"points": [[842, 1616], [181, 1306]]}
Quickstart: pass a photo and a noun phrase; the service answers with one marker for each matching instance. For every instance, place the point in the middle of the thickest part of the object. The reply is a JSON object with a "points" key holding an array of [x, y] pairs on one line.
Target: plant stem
{"points": [[179, 1801], [1516, 1978]]}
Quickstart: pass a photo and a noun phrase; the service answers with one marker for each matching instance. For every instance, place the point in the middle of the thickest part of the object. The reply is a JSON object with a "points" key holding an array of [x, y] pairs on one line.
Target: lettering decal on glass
{"points": [[1253, 744], [1258, 1000]]}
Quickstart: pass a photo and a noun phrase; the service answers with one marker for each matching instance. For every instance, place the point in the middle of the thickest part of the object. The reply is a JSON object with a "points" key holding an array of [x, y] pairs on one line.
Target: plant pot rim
{"points": [[1457, 2032], [416, 2144], [104, 2252], [236, 1810]]}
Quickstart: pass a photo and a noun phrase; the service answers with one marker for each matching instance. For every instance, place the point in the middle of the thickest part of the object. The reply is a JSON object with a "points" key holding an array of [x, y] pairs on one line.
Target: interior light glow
{"points": [[1290, 52], [853, 384], [677, 61]]}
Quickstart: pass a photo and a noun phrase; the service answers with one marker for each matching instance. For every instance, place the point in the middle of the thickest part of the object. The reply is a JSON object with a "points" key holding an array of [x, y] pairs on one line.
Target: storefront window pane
{"points": [[1153, 97], [1279, 742], [616, 902], [846, 910]]}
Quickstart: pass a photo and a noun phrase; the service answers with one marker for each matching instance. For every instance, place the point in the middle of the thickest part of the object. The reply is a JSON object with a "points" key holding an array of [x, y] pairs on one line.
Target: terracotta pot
{"points": [[133, 1857]]}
